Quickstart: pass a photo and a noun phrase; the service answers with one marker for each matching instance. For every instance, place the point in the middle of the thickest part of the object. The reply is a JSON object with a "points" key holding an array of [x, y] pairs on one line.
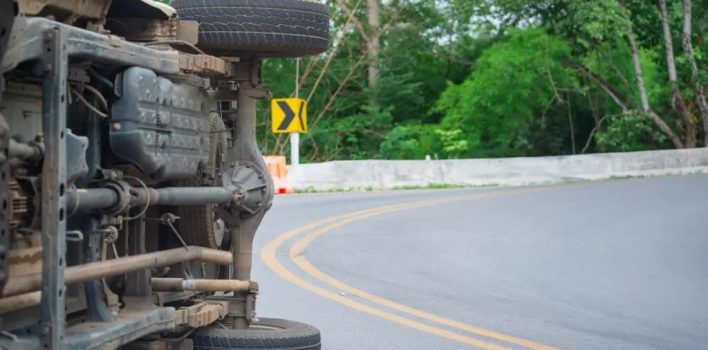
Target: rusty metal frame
{"points": [[54, 184], [203, 64], [202, 285], [246, 164], [87, 9], [51, 45], [28, 44], [155, 30]]}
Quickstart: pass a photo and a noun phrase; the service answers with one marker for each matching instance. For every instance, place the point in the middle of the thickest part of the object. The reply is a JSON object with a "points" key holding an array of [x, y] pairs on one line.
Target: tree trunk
{"points": [[697, 87], [638, 73], [621, 101], [644, 97], [373, 43], [678, 103]]}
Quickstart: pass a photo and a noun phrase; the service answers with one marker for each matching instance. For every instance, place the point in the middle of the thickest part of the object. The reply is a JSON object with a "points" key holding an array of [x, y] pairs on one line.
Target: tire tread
{"points": [[282, 28], [291, 336]]}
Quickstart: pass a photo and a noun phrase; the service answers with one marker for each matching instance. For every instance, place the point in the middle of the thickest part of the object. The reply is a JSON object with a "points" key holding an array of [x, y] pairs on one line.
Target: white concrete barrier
{"points": [[391, 174]]}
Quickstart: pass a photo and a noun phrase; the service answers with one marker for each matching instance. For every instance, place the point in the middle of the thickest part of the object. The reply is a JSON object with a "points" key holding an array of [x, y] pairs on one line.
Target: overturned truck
{"points": [[131, 183]]}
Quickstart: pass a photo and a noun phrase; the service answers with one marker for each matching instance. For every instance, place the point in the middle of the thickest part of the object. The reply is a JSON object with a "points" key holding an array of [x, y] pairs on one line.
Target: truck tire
{"points": [[200, 225], [266, 333], [197, 223], [264, 28]]}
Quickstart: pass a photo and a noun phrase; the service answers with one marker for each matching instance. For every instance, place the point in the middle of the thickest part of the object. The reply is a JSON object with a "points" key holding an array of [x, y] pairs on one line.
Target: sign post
{"points": [[289, 116], [294, 148], [295, 136]]}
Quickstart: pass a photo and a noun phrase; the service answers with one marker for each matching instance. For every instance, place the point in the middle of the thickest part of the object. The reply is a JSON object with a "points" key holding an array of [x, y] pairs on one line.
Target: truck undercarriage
{"points": [[131, 181]]}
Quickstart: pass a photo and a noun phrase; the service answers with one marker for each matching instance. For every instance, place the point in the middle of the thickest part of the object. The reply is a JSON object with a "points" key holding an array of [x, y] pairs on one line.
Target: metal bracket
{"points": [[122, 190], [241, 305], [248, 71], [97, 307]]}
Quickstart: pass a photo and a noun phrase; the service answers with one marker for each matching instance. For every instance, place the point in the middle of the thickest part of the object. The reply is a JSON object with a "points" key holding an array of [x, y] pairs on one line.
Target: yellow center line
{"points": [[268, 255]]}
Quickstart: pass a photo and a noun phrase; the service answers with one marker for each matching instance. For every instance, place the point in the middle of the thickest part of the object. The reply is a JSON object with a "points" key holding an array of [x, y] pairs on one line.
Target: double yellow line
{"points": [[308, 233]]}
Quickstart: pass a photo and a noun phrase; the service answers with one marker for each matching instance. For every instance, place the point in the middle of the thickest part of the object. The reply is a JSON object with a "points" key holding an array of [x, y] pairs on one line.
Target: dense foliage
{"points": [[499, 78]]}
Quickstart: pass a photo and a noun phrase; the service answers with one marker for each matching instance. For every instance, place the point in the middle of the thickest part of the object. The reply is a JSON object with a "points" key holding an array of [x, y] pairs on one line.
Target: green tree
{"points": [[479, 78], [515, 98]]}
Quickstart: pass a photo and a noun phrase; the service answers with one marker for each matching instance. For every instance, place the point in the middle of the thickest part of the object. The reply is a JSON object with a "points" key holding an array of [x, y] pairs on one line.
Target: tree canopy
{"points": [[500, 78]]}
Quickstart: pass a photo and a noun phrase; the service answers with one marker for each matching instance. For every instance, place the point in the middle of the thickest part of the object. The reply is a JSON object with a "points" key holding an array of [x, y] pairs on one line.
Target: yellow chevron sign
{"points": [[289, 115]]}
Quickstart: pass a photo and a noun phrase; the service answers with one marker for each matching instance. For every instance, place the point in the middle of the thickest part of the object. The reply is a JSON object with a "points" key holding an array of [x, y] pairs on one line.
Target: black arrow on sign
{"points": [[299, 118], [289, 115]]}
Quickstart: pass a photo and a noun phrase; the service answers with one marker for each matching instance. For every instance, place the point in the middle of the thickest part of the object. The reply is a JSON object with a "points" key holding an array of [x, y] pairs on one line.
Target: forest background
{"points": [[406, 79]]}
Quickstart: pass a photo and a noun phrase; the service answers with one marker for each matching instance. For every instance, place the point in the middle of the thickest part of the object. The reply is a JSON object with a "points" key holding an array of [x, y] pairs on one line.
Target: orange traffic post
{"points": [[279, 171]]}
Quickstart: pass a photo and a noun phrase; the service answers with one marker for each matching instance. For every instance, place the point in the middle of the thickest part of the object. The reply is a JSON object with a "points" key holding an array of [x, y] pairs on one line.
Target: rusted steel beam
{"points": [[114, 267], [19, 302], [54, 183], [180, 285]]}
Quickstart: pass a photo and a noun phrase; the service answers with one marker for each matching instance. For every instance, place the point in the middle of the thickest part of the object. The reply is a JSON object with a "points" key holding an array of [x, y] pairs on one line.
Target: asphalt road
{"points": [[607, 265]]}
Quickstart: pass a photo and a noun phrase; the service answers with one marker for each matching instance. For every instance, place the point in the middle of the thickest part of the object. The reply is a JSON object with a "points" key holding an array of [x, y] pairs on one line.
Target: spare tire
{"points": [[264, 334], [266, 28]]}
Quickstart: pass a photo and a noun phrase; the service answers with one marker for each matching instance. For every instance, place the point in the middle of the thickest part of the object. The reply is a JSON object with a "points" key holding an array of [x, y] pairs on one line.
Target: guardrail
{"points": [[392, 174]]}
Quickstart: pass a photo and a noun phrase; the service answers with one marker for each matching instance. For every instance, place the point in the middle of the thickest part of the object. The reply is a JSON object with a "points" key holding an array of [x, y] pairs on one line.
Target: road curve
{"points": [[607, 265]]}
